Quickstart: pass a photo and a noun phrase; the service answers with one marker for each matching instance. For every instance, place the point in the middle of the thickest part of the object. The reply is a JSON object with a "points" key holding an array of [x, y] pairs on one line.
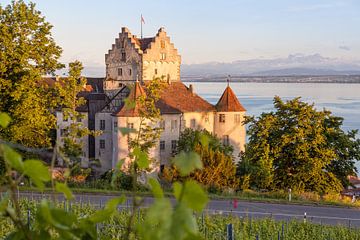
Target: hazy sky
{"points": [[209, 30]]}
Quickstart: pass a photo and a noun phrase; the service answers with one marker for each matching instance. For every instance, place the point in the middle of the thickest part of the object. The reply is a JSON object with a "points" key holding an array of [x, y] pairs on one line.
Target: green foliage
{"points": [[190, 139], [298, 147], [68, 92], [211, 163], [28, 52]]}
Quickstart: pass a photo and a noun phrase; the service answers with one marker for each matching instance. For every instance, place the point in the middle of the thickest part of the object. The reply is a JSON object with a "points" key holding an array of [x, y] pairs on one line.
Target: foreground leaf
{"points": [[187, 162]]}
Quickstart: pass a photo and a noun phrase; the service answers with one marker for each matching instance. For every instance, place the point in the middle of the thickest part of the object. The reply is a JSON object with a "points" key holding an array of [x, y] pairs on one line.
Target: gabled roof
{"points": [[178, 98], [144, 43], [229, 102], [135, 93]]}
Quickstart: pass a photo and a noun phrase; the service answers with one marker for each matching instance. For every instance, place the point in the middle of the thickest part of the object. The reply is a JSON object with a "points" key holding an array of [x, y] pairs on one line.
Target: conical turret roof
{"points": [[229, 102], [135, 93]]}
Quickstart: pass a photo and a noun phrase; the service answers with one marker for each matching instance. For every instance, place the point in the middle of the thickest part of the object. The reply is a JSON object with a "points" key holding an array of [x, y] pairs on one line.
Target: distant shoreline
{"points": [[344, 79]]}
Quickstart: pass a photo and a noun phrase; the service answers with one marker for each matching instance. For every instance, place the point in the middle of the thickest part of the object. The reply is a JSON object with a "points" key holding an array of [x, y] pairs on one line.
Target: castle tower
{"points": [[131, 58], [228, 123]]}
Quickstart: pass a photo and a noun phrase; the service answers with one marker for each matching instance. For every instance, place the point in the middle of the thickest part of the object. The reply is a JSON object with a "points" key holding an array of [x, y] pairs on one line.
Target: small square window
{"points": [[162, 124], [222, 118], [102, 124], [173, 125], [192, 123], [130, 125], [237, 118], [173, 145], [102, 143], [226, 141], [163, 56], [162, 145]]}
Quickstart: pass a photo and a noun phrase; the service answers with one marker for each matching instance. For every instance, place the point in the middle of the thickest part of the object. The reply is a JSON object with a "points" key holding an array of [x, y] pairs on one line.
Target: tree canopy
{"points": [[298, 147], [27, 53], [219, 170]]}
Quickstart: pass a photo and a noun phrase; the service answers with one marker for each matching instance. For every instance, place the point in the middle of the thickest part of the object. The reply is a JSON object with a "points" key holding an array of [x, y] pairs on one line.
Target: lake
{"points": [[341, 99]]}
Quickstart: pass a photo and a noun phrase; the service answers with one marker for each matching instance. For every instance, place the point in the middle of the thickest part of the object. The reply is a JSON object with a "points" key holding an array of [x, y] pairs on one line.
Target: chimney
{"points": [[191, 88]]}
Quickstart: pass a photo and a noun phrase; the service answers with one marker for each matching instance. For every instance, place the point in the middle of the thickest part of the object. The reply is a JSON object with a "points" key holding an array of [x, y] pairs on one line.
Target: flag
{"points": [[142, 19]]}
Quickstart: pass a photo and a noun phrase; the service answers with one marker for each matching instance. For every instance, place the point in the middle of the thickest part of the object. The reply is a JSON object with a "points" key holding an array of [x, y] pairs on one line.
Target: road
{"points": [[319, 214]]}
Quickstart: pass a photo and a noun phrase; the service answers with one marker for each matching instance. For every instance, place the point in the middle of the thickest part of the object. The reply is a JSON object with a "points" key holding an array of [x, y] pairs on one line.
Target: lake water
{"points": [[342, 100]]}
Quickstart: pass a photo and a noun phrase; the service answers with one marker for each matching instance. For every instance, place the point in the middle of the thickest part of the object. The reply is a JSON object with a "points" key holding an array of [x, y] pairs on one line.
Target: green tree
{"points": [[68, 92], [298, 147], [219, 170], [27, 52]]}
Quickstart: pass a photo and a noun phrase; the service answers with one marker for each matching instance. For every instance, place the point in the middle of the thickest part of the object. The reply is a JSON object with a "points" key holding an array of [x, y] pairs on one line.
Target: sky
{"points": [[208, 30]]}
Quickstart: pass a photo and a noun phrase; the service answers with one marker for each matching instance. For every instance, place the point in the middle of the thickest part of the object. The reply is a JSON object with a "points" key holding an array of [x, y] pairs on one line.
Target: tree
{"points": [[298, 147], [27, 52], [219, 170], [68, 92]]}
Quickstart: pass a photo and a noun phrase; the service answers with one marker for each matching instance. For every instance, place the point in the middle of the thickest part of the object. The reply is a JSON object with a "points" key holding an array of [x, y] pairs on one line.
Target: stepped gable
{"points": [[177, 98], [135, 93], [144, 43], [229, 102]]}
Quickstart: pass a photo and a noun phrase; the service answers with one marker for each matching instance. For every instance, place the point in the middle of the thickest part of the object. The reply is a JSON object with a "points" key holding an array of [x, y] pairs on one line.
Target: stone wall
{"points": [[235, 130], [161, 59]]}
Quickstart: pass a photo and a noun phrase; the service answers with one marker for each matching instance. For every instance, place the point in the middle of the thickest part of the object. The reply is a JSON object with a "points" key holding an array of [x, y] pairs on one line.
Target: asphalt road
{"points": [[318, 214]]}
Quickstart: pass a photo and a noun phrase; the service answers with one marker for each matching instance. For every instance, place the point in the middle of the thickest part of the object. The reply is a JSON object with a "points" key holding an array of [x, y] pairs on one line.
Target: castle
{"points": [[130, 63]]}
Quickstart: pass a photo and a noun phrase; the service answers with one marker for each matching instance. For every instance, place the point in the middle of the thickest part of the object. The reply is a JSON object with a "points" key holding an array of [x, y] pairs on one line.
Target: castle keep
{"points": [[130, 63]]}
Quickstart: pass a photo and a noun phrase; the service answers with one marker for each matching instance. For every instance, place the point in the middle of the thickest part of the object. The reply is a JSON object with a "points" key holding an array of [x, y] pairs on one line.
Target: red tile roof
{"points": [[135, 93], [229, 102], [177, 98]]}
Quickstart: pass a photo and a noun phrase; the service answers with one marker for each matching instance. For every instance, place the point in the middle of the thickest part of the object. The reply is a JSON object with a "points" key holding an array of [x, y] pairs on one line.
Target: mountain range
{"points": [[294, 64]]}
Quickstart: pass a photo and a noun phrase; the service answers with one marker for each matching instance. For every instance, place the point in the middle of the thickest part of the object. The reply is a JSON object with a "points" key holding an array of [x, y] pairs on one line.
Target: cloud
{"points": [[343, 47]]}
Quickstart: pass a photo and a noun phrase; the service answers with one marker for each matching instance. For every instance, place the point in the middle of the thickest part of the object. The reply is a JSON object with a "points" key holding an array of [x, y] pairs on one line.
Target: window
{"points": [[222, 118], [237, 118], [162, 166], [163, 56], [226, 140], [156, 71], [162, 124], [207, 118], [130, 125], [120, 71], [173, 125], [193, 123], [102, 144], [162, 44], [115, 126], [130, 72], [102, 124], [123, 43], [63, 132], [78, 119], [162, 145], [173, 145], [123, 56]]}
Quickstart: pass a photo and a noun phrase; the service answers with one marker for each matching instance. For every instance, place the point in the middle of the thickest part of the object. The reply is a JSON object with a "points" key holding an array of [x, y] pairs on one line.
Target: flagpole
{"points": [[141, 23]]}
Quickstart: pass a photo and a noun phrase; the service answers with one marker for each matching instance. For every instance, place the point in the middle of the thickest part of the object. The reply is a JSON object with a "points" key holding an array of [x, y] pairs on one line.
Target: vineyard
{"points": [[211, 226]]}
